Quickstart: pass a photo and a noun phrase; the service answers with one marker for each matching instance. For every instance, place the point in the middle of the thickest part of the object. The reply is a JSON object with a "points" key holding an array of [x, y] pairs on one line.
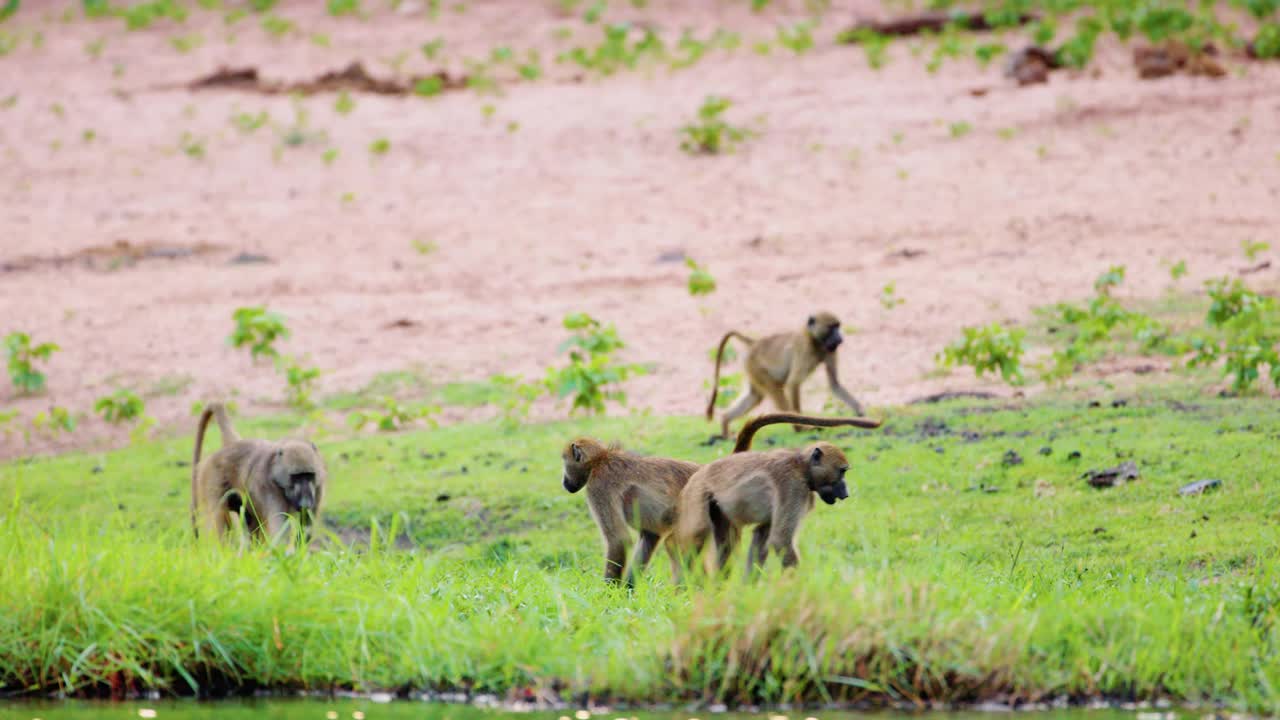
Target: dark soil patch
{"points": [[121, 254], [352, 78], [926, 22], [1166, 59], [953, 395]]}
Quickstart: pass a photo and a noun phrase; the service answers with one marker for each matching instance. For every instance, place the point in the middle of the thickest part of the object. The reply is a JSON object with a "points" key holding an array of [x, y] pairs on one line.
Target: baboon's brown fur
{"points": [[624, 489], [271, 481], [777, 365], [771, 490]]}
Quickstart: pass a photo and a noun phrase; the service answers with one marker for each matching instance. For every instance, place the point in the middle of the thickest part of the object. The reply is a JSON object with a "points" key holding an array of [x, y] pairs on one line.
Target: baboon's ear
{"points": [[577, 452], [815, 457]]}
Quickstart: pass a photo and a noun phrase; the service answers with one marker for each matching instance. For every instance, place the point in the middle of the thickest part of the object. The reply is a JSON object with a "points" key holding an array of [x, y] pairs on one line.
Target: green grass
{"points": [[948, 575], [414, 385]]}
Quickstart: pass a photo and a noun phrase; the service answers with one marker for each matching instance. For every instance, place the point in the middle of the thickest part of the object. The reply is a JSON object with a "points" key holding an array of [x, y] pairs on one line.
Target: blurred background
{"points": [[380, 208]]}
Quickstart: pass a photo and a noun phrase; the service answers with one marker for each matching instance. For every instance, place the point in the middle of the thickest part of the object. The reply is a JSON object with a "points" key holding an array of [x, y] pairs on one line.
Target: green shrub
{"points": [[259, 329], [1249, 327], [300, 383], [22, 361], [592, 377], [701, 281], [120, 407], [711, 134], [991, 348]]}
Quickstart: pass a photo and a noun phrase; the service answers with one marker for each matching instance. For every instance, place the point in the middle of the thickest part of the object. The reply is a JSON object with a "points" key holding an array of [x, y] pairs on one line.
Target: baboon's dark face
{"points": [[299, 473], [576, 471], [827, 466], [824, 328]]}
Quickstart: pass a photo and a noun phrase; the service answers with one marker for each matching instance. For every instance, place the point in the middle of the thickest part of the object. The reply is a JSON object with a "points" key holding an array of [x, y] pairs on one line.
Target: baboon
{"points": [[268, 480], [626, 489], [771, 490], [778, 364], [642, 492]]}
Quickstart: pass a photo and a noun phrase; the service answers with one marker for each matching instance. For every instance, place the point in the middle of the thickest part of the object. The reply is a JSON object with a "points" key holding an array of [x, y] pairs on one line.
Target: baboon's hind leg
{"points": [[745, 404]]}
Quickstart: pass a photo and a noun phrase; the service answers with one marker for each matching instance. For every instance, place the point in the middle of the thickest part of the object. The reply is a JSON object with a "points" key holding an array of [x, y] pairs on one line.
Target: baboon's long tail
{"points": [[195, 465], [715, 381], [748, 431], [229, 435]]}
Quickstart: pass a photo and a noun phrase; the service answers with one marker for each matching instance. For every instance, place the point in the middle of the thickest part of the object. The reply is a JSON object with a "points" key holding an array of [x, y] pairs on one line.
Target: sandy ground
{"points": [[575, 196]]}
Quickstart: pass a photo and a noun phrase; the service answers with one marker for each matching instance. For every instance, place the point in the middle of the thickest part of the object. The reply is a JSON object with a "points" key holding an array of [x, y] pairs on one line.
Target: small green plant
{"points": [[960, 129], [186, 43], [344, 104], [1092, 324], [514, 396], [277, 27], [711, 135], [259, 329], [531, 69], [1179, 270], [701, 281], [889, 296], [425, 247], [329, 156], [1266, 44], [991, 348], [393, 416], [247, 123], [431, 50], [798, 37], [984, 53], [55, 420], [94, 48], [300, 383], [141, 15], [428, 86], [191, 146], [380, 146], [594, 12], [592, 377], [1249, 324], [8, 419], [23, 356], [1252, 249], [338, 8], [122, 406]]}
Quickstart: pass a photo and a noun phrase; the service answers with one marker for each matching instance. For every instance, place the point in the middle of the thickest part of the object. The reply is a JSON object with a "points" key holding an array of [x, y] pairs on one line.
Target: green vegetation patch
{"points": [[972, 561]]}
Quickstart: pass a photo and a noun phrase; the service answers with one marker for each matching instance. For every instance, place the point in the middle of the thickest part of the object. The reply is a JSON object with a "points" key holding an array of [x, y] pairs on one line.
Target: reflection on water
{"points": [[407, 709]]}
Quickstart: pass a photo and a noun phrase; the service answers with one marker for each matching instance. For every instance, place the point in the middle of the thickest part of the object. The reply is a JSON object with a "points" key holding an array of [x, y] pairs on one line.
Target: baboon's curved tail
{"points": [[749, 430], [715, 381], [229, 435]]}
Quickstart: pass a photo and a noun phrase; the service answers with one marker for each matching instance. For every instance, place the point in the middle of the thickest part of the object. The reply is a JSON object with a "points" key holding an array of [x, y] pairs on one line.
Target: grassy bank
{"points": [[971, 562]]}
